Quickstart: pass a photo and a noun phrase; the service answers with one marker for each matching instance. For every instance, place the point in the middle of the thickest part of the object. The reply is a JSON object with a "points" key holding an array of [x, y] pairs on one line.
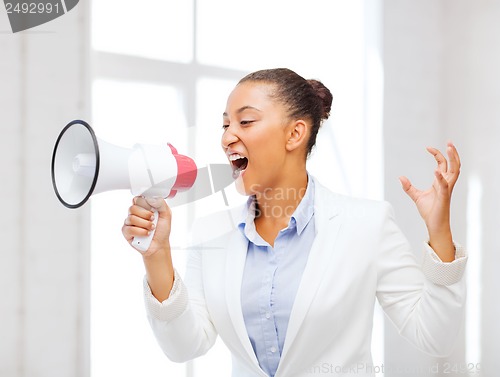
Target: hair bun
{"points": [[324, 95]]}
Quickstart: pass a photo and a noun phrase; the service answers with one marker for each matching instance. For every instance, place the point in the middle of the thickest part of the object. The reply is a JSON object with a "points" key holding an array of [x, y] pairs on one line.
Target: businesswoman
{"points": [[289, 280]]}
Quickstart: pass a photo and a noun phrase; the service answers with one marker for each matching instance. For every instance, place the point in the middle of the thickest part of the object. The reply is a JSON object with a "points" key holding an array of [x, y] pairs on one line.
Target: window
{"points": [[162, 74]]}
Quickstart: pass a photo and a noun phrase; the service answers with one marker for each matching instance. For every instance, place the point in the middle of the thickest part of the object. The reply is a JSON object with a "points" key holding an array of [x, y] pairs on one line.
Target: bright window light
{"points": [[155, 29], [473, 329]]}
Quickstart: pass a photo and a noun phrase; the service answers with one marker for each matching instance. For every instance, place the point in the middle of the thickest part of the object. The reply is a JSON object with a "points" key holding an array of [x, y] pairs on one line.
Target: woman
{"points": [[289, 280]]}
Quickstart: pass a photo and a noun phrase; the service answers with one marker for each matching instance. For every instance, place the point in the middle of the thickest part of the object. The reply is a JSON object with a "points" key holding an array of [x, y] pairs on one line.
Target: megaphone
{"points": [[83, 165]]}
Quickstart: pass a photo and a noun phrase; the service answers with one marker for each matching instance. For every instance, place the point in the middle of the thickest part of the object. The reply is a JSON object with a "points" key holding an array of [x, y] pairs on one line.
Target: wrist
{"points": [[158, 254], [159, 272], [442, 244]]}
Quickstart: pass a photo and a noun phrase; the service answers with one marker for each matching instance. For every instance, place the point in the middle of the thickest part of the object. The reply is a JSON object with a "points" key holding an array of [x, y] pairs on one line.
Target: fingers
{"points": [[154, 204], [442, 182], [159, 205], [143, 203], [139, 220], [453, 167], [454, 158], [440, 159], [410, 190]]}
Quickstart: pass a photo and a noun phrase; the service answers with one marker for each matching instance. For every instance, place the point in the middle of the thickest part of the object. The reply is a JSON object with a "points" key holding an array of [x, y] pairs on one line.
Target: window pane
{"points": [[126, 113], [122, 342], [156, 29], [266, 34]]}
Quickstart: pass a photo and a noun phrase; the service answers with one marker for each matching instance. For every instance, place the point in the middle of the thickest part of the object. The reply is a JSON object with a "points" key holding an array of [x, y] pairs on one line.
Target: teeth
{"points": [[234, 157]]}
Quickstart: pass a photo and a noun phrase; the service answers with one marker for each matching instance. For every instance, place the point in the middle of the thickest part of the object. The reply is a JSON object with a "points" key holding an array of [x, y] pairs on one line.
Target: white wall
{"points": [[44, 259], [472, 90], [442, 82]]}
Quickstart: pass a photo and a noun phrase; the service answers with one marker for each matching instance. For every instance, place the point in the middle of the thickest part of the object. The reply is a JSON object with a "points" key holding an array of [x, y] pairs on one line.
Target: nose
{"points": [[228, 137]]}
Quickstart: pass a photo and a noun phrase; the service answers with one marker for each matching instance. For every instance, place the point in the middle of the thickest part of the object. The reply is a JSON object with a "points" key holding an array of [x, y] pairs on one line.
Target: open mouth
{"points": [[238, 163]]}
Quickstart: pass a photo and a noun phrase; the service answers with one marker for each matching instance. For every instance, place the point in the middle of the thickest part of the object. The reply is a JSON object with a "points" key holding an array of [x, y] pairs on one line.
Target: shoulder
{"points": [[349, 207]]}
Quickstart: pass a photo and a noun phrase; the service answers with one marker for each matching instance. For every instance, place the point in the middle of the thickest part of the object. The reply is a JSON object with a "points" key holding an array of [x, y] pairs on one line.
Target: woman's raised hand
{"points": [[434, 204]]}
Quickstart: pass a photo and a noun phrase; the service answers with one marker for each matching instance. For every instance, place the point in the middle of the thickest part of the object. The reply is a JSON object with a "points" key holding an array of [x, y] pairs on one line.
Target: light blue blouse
{"points": [[271, 278]]}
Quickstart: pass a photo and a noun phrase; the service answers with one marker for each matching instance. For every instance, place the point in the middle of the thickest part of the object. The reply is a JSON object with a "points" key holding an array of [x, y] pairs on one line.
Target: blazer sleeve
{"points": [[426, 303], [181, 324]]}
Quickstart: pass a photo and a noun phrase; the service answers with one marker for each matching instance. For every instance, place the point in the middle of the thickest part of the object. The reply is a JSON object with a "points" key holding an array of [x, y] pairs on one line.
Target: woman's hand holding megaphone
{"points": [[139, 223], [157, 258]]}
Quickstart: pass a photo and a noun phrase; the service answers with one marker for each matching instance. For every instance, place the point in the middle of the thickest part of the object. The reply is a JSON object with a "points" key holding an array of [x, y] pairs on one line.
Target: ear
{"points": [[297, 135]]}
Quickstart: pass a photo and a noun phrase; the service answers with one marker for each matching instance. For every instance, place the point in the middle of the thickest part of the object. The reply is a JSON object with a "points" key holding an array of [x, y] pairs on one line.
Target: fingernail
{"points": [[153, 226], [152, 218]]}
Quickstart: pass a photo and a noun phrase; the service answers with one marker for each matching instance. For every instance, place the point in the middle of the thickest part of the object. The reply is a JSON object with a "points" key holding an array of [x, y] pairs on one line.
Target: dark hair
{"points": [[302, 98]]}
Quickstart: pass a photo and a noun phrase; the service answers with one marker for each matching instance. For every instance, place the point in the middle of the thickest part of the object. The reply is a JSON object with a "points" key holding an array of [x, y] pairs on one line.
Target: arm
{"points": [[157, 259], [180, 322], [426, 303]]}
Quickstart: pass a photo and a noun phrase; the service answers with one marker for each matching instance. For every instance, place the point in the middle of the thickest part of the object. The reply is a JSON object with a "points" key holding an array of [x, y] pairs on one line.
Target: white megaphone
{"points": [[83, 165]]}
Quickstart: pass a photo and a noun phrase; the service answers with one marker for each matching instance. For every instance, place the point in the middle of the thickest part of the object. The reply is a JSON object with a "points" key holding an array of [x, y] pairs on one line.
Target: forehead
{"points": [[250, 94]]}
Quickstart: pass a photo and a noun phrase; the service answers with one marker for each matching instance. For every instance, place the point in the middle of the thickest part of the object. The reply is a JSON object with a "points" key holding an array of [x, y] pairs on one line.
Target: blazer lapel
{"points": [[328, 220], [235, 263]]}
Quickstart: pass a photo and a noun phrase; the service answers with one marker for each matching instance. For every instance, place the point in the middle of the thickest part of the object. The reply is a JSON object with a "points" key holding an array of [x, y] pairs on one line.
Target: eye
{"points": [[225, 126], [246, 122]]}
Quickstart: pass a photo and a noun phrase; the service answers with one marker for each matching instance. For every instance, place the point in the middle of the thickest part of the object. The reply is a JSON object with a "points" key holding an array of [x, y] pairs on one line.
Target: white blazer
{"points": [[359, 254]]}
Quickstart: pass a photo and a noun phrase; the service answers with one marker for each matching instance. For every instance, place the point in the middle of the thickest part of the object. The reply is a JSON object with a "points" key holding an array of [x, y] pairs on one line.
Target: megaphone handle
{"points": [[142, 243]]}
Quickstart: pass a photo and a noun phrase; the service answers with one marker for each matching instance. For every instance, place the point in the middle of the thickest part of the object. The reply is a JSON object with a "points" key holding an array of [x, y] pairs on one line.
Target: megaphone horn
{"points": [[74, 182]]}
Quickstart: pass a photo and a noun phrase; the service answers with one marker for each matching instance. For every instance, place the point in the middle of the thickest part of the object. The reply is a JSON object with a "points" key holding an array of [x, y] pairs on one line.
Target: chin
{"points": [[240, 186], [245, 185]]}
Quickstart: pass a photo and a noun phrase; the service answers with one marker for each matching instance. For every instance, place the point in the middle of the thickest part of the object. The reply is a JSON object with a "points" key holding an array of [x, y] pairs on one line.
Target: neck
{"points": [[277, 204]]}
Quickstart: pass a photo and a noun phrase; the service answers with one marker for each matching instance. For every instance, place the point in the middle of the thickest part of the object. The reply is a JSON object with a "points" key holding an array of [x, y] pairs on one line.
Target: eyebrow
{"points": [[241, 109]]}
